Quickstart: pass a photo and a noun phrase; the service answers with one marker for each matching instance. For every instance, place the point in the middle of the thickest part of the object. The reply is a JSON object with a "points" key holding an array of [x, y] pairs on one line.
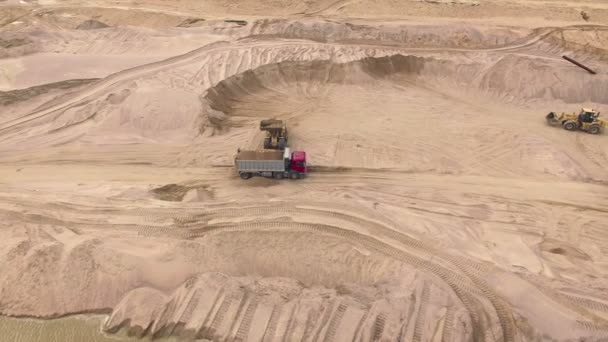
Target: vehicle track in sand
{"points": [[378, 231], [334, 322], [466, 268], [93, 92], [422, 307], [364, 240], [478, 314], [359, 226]]}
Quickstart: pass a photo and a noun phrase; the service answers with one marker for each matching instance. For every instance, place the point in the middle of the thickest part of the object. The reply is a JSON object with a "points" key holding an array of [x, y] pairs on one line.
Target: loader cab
{"points": [[587, 115], [298, 161]]}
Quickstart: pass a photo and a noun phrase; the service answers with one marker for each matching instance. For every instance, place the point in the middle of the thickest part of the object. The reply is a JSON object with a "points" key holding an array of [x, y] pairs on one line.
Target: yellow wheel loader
{"points": [[586, 120], [276, 134]]}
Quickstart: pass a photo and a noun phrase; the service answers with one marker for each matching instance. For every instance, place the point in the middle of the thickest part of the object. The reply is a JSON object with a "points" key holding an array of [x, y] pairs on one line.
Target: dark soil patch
{"points": [[171, 192], [13, 42], [238, 22], [558, 250], [176, 192], [190, 22]]}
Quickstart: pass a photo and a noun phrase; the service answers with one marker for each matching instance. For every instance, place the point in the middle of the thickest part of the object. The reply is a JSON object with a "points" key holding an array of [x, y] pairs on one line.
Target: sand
{"points": [[439, 205]]}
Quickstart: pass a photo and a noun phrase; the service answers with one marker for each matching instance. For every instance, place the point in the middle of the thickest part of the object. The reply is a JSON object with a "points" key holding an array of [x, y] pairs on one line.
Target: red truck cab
{"points": [[298, 161]]}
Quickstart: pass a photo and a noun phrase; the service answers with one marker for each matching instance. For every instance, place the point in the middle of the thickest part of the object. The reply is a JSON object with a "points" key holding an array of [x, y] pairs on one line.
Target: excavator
{"points": [[276, 134], [586, 120]]}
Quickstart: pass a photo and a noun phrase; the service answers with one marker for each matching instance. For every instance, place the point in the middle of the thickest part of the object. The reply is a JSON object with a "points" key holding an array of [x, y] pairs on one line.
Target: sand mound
{"points": [[91, 25], [215, 306], [67, 17], [452, 36], [523, 79], [510, 78], [132, 115], [587, 43]]}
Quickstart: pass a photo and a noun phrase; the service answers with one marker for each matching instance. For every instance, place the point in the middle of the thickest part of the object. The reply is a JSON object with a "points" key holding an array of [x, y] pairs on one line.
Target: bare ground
{"points": [[439, 205]]}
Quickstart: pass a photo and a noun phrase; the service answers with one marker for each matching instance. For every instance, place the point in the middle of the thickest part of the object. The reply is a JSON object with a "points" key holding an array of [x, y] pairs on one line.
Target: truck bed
{"points": [[260, 155], [259, 161]]}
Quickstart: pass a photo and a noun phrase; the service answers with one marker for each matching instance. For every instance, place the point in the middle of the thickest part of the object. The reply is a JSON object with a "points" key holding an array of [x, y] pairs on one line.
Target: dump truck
{"points": [[276, 134], [271, 164], [586, 120]]}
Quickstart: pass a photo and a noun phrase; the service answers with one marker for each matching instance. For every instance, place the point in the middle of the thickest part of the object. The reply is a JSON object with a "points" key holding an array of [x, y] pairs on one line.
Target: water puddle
{"points": [[78, 328]]}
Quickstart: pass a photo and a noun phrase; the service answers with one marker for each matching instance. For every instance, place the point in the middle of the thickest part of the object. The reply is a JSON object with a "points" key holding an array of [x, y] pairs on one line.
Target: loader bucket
{"points": [[551, 119]]}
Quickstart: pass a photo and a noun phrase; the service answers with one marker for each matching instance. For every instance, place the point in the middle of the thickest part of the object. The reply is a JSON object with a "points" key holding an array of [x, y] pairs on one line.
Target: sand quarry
{"points": [[439, 205]]}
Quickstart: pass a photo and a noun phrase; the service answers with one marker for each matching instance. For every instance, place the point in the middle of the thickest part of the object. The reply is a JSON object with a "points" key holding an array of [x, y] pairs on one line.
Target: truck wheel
{"points": [[278, 175], [282, 143], [570, 126], [294, 175], [267, 144], [594, 129], [245, 175]]}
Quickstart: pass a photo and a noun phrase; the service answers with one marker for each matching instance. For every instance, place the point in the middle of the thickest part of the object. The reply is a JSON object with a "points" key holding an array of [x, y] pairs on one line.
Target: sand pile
{"points": [[508, 78], [452, 36], [485, 74], [91, 25]]}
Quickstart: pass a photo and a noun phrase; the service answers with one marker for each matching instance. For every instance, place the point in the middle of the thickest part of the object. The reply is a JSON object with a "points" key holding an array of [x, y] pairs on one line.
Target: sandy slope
{"points": [[439, 205]]}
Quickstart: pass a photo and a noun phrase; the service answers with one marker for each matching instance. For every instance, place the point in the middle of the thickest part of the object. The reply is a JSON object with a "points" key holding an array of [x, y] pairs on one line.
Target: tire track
{"points": [[501, 308], [194, 223], [237, 317], [467, 268], [422, 308], [448, 327], [478, 314], [191, 306], [290, 323], [245, 326], [335, 322], [324, 319], [578, 305], [373, 227], [211, 331], [376, 228], [361, 325], [378, 328], [586, 303], [271, 329]]}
